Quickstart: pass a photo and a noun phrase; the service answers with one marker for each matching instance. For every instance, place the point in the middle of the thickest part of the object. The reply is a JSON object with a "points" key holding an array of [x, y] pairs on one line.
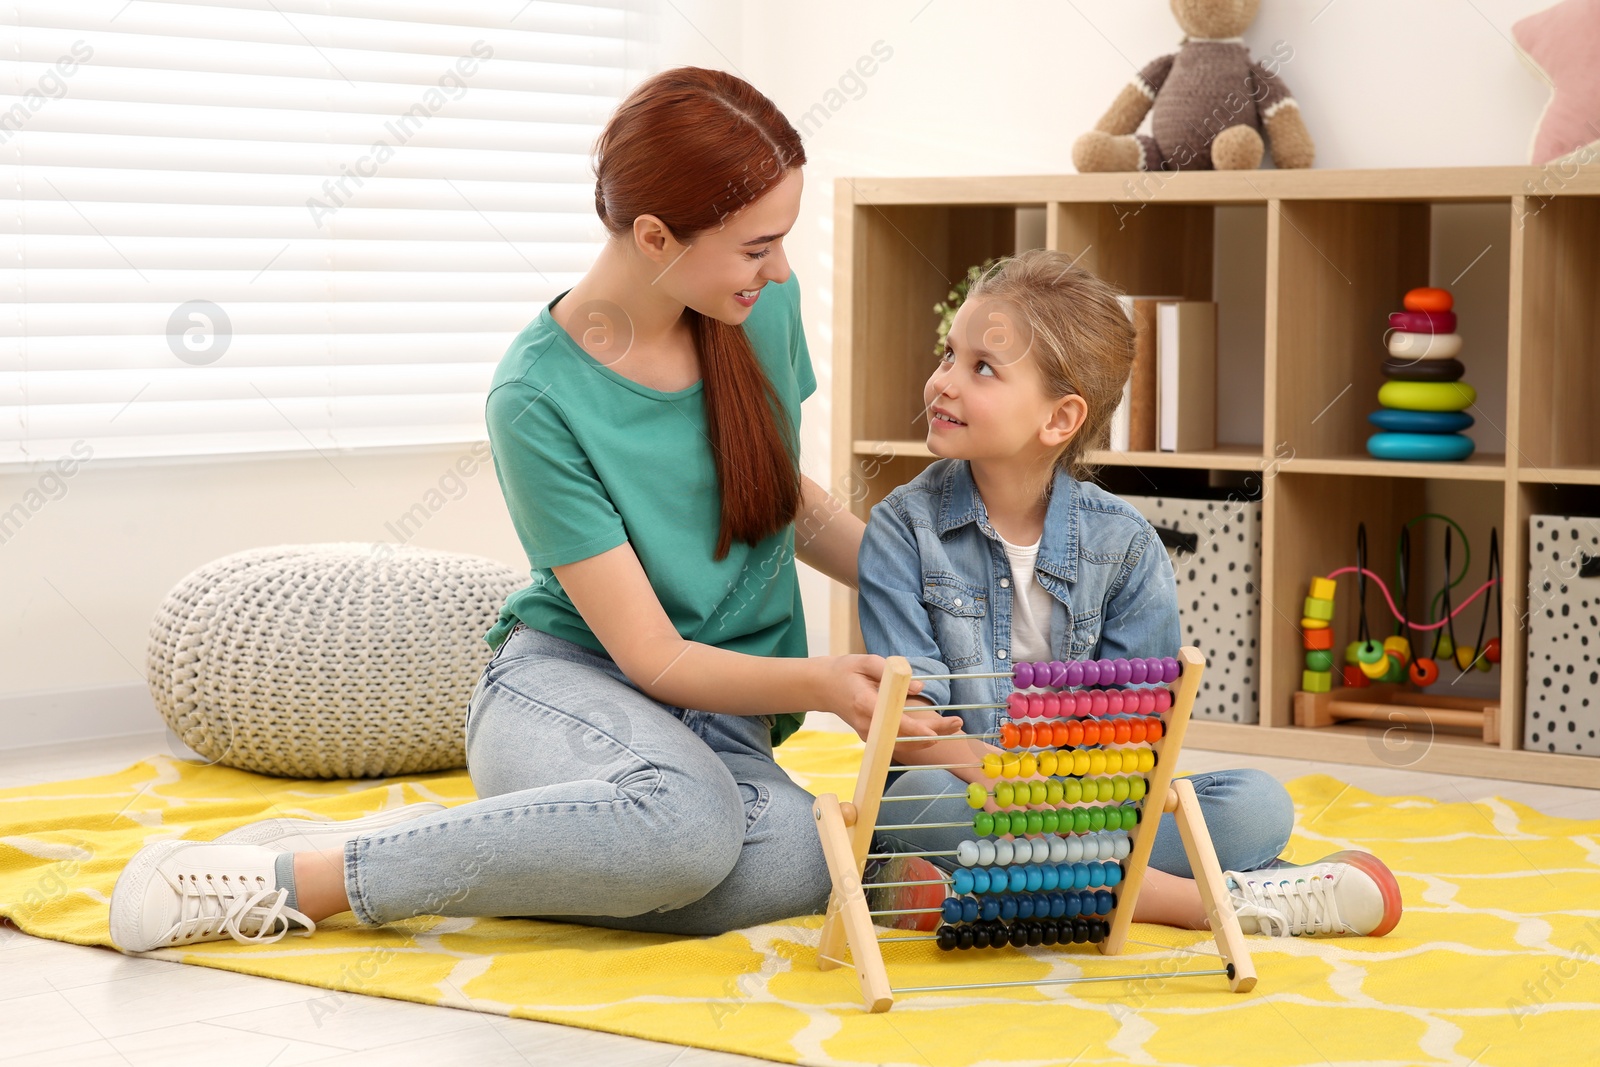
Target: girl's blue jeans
{"points": [[602, 806]]}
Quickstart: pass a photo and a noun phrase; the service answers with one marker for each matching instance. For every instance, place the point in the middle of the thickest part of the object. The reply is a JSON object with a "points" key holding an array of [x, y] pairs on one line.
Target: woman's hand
{"points": [[850, 688]]}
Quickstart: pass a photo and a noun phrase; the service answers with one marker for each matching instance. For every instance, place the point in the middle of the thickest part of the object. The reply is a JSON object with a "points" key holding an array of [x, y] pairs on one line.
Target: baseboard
{"points": [[57, 716]]}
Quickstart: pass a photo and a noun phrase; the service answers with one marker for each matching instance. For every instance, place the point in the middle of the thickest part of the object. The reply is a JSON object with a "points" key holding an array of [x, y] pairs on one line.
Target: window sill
{"points": [[37, 466]]}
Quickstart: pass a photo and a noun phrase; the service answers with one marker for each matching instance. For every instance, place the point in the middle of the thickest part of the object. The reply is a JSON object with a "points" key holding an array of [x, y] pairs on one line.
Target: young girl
{"points": [[1002, 552]]}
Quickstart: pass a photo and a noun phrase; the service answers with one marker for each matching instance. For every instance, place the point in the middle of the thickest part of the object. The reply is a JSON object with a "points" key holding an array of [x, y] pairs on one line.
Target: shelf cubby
{"points": [[1559, 331], [915, 253], [1305, 267], [1341, 268], [1140, 247]]}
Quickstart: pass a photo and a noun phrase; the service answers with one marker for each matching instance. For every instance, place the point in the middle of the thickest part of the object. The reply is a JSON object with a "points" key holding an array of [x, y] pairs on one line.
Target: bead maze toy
{"points": [[1100, 759], [1384, 670]]}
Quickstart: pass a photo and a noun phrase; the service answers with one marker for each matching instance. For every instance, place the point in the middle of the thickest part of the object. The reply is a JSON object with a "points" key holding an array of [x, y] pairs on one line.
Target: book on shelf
{"points": [[1186, 375], [1133, 424]]}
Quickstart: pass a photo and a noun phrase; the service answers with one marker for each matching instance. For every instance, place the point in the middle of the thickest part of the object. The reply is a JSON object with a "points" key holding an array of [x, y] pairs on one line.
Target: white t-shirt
{"points": [[1031, 605]]}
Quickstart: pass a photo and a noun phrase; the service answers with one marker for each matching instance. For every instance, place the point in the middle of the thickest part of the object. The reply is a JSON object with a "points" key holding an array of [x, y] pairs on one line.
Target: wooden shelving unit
{"points": [[1340, 248]]}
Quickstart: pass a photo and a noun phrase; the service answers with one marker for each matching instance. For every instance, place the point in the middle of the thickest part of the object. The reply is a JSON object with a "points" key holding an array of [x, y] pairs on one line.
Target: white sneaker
{"points": [[309, 835], [177, 892], [1349, 892]]}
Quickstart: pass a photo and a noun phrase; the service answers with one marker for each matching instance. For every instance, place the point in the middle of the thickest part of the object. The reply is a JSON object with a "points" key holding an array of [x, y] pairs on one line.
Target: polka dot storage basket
{"points": [[327, 660], [1215, 546], [1562, 710]]}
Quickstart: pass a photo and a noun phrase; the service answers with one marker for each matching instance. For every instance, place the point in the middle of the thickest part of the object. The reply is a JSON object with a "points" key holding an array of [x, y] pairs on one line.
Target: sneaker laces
{"points": [[1284, 906], [206, 907]]}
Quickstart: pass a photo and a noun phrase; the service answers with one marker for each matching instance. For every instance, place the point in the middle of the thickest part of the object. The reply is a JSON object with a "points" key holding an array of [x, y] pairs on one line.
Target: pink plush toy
{"points": [[1564, 42], [1209, 104]]}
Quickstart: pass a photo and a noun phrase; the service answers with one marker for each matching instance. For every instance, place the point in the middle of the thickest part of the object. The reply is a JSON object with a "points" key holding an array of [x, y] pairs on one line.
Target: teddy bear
{"points": [[1209, 103]]}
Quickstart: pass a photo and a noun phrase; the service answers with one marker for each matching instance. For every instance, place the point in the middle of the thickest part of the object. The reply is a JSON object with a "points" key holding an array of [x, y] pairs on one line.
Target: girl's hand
{"points": [[850, 688], [921, 750]]}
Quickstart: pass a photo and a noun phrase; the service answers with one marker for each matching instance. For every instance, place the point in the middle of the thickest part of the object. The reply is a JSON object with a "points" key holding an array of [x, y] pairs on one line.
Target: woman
{"points": [[645, 436]]}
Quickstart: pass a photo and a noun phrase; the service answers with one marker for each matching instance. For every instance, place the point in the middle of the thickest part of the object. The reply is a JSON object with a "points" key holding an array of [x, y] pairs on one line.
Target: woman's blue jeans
{"points": [[602, 806]]}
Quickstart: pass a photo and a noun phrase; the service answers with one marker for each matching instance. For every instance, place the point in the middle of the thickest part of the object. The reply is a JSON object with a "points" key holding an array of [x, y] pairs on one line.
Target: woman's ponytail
{"points": [[760, 495]]}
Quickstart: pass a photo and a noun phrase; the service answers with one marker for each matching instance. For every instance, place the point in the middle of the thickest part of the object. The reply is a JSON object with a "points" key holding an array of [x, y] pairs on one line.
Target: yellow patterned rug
{"points": [[1493, 964]]}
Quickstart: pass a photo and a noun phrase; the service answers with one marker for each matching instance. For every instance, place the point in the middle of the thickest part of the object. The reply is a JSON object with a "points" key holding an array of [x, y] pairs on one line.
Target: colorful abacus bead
{"points": [[1106, 672]]}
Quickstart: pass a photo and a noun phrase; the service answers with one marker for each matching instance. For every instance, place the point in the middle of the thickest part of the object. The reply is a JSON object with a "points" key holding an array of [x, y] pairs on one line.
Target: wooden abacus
{"points": [[1056, 723]]}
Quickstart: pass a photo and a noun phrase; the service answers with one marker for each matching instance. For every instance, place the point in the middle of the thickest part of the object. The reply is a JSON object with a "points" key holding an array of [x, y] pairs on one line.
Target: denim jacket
{"points": [[935, 584]]}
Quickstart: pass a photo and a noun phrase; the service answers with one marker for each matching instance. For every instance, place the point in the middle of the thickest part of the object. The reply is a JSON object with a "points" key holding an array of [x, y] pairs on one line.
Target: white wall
{"points": [[82, 577], [1003, 93]]}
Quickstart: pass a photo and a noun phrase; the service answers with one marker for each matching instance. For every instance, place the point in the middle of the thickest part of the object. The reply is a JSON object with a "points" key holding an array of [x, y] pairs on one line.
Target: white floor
{"points": [[69, 1004]]}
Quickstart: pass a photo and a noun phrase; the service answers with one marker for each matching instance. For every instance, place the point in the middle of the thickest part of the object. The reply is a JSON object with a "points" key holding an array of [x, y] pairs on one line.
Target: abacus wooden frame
{"points": [[846, 834]]}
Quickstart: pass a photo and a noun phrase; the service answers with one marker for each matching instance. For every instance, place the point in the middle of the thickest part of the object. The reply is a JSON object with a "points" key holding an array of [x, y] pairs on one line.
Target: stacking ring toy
{"points": [[1420, 421], [1427, 396], [1423, 447], [1425, 299], [1423, 321], [1424, 345], [1423, 370]]}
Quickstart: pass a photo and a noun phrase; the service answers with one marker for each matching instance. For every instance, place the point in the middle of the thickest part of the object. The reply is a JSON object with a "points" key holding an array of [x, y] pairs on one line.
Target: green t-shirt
{"points": [[588, 459]]}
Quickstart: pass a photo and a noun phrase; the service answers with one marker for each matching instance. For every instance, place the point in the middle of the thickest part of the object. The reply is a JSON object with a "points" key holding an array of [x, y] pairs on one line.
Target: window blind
{"points": [[280, 225]]}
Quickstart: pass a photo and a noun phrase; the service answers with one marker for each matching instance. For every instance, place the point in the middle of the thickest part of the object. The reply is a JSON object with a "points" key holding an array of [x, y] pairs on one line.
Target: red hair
{"points": [[692, 146]]}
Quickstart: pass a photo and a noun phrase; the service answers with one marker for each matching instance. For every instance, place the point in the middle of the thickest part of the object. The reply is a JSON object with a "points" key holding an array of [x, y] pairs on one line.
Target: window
{"points": [[282, 225]]}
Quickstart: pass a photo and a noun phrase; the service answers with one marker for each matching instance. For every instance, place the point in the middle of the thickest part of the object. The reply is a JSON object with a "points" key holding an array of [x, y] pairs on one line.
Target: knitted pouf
{"points": [[327, 660]]}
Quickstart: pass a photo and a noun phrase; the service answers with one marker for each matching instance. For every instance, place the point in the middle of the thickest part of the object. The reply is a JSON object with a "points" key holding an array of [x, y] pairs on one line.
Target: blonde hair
{"points": [[1080, 336]]}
